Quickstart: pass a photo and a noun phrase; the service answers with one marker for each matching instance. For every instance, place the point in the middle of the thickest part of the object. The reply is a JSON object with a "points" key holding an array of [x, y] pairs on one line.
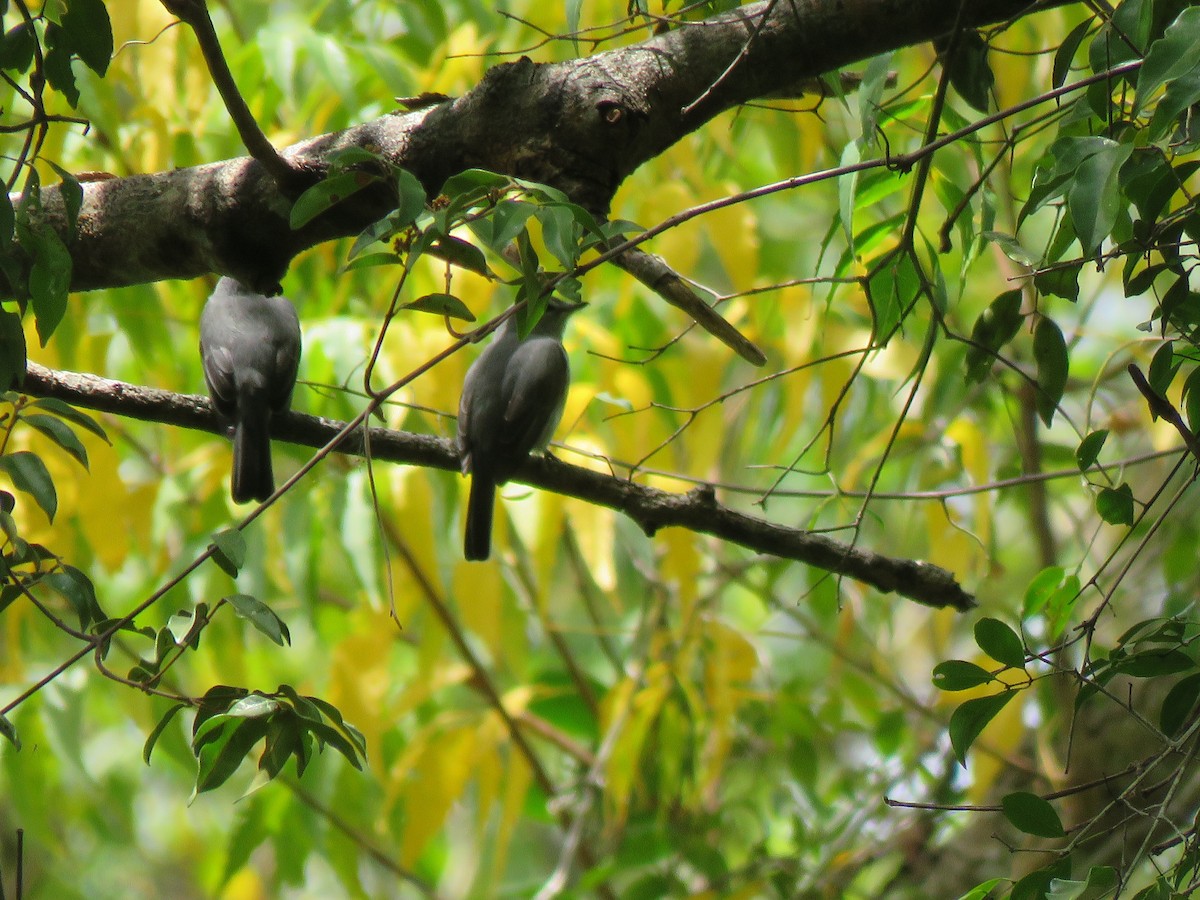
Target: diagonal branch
{"points": [[652, 509]]}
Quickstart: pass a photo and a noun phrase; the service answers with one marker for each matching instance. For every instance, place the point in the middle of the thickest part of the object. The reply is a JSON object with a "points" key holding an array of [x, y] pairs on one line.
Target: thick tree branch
{"points": [[652, 509], [582, 126]]}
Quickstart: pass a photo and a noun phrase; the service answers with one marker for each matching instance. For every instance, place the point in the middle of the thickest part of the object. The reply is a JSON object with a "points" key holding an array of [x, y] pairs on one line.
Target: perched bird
{"points": [[250, 346], [512, 400]]}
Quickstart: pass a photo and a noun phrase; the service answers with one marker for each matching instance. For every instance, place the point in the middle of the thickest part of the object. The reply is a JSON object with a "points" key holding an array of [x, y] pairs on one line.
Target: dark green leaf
{"points": [[1094, 193], [56, 63], [89, 33], [1066, 52], [215, 701], [1179, 705], [71, 192], [1060, 280], [959, 675], [1011, 248], [29, 474], [283, 739], [460, 253], [1035, 885], [220, 758], [1031, 814], [61, 433], [1089, 449], [969, 720], [1191, 398], [65, 411], [442, 305], [1050, 353], [261, 617], [1152, 663], [16, 48], [1115, 505], [77, 589], [995, 327], [152, 739], [325, 194], [12, 351], [1172, 55], [49, 278], [334, 715], [1163, 367], [1174, 111], [229, 551], [1000, 642], [501, 226], [969, 71]]}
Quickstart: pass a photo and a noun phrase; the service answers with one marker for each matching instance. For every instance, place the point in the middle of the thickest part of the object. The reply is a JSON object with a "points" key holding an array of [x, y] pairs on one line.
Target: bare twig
{"points": [[195, 14]]}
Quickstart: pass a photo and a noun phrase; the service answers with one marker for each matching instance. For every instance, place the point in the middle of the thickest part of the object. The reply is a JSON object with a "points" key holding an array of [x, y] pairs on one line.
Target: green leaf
{"points": [[1012, 248], [61, 433], [89, 33], [77, 589], [1152, 663], [959, 675], [461, 253], [1050, 353], [411, 199], [229, 551], [16, 48], [1171, 56], [969, 71], [1066, 52], [1101, 882], [969, 720], [995, 327], [71, 192], [1035, 885], [56, 63], [1089, 449], [1115, 505], [154, 735], [9, 731], [1000, 642], [1179, 705], [334, 715], [1060, 280], [261, 617], [326, 193], [66, 411], [1031, 814], [218, 759], [442, 305], [49, 278], [13, 353], [500, 227], [1163, 367], [254, 706], [29, 474], [1094, 195]]}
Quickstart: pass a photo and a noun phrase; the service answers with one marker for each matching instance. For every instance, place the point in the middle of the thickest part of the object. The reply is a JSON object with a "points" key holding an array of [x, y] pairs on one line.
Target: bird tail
{"points": [[253, 478], [477, 543]]}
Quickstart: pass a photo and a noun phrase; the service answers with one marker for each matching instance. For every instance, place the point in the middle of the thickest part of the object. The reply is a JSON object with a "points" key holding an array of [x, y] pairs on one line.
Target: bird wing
{"points": [[535, 384], [219, 375]]}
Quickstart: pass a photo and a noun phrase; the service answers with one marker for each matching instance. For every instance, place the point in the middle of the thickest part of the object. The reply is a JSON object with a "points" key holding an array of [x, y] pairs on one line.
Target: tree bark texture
{"points": [[582, 126]]}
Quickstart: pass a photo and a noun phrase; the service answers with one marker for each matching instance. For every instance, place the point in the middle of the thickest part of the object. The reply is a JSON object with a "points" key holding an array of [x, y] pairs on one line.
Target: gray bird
{"points": [[512, 400], [250, 346]]}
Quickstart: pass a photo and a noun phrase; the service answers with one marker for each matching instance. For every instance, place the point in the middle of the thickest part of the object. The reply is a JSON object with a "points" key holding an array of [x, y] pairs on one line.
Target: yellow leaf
{"points": [[436, 779], [360, 674]]}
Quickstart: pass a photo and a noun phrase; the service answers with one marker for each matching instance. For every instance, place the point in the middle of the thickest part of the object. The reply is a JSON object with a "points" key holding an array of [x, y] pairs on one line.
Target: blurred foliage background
{"points": [[706, 721]]}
